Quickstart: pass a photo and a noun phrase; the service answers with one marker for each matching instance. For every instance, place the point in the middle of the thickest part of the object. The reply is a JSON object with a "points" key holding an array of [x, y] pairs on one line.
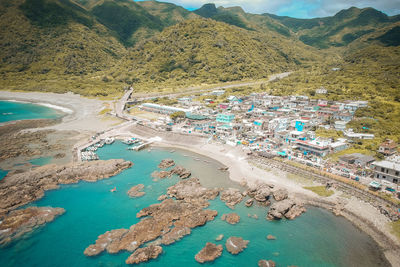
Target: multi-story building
{"points": [[225, 118], [388, 147], [388, 170]]}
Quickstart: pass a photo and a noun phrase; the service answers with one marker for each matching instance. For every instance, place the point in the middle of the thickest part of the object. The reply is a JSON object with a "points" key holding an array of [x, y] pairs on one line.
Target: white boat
{"points": [[109, 140]]}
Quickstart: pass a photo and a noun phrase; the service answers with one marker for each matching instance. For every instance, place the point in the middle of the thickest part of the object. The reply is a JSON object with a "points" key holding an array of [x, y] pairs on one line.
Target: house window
{"points": [[377, 176], [384, 176], [395, 181], [382, 169], [397, 173]]}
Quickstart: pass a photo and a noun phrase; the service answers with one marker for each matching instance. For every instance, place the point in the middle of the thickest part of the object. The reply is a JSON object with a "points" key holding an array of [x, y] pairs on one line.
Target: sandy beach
{"points": [[82, 116]]}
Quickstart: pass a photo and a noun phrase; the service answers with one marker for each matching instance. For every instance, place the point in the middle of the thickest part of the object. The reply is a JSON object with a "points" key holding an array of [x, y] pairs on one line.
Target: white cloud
{"points": [[309, 8]]}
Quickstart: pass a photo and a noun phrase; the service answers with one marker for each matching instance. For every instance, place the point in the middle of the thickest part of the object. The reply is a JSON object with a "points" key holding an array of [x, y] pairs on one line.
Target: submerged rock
{"points": [[235, 245], [18, 222], [265, 263], [288, 208], [231, 218], [231, 197], [166, 163], [181, 172], [144, 254], [209, 253], [219, 238], [249, 202], [161, 174], [20, 189], [271, 237], [162, 197], [136, 191], [280, 194]]}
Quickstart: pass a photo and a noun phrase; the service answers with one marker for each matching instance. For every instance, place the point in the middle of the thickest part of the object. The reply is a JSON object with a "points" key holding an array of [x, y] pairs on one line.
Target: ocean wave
{"points": [[63, 109]]}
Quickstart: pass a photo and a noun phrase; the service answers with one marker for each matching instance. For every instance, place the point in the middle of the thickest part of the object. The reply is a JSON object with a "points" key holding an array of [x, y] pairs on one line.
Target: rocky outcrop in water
{"points": [[249, 202], [271, 237], [136, 191], [18, 222], [192, 191], [166, 163], [265, 263], [163, 223], [231, 197], [231, 218], [280, 194], [287, 208], [181, 172], [209, 253], [178, 170], [235, 245], [219, 237], [144, 254], [22, 188], [261, 193]]}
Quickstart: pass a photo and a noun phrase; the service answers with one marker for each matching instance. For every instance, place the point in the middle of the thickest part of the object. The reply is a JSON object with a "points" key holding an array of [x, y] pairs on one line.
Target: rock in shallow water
{"points": [[288, 208], [231, 218], [166, 163], [136, 191], [219, 238], [235, 245], [144, 254], [209, 253], [231, 197], [280, 194], [265, 263], [22, 188], [19, 222]]}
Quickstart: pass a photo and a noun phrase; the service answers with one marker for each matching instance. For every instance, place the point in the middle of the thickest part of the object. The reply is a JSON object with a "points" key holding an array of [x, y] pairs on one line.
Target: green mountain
{"points": [[206, 51], [88, 45], [338, 30]]}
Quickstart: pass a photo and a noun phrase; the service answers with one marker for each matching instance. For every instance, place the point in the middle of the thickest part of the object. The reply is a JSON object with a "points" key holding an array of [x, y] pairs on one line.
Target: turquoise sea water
{"points": [[11, 111], [41, 161], [3, 173], [316, 238]]}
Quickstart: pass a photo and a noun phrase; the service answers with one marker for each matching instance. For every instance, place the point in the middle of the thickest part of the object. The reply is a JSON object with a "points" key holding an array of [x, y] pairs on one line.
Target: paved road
{"points": [[273, 77]]}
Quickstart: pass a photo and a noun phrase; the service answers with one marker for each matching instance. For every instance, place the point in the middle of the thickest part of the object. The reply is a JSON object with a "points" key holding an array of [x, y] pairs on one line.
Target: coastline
{"points": [[86, 120], [362, 215]]}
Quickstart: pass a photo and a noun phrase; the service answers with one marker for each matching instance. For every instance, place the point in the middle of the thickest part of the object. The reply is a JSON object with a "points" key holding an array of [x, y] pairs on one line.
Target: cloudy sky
{"points": [[297, 8]]}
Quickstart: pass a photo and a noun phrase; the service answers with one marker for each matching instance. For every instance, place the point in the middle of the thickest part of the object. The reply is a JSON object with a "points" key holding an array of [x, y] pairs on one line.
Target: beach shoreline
{"points": [[86, 120]]}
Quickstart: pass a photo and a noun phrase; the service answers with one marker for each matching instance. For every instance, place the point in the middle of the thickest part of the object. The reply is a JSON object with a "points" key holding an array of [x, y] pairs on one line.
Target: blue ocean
{"points": [[11, 111], [316, 238]]}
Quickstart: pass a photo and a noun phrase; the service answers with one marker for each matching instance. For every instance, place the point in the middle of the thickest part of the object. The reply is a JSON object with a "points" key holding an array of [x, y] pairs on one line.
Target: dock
{"points": [[140, 147]]}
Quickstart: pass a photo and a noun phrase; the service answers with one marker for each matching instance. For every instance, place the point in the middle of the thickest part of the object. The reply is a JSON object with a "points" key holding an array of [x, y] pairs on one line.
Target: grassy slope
{"points": [[205, 51]]}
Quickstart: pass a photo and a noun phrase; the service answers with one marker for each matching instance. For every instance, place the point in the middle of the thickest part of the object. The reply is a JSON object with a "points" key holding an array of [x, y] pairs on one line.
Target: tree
{"points": [[177, 115]]}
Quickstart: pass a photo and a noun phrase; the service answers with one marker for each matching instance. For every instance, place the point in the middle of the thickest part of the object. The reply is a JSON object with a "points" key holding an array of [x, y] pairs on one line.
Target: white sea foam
{"points": [[63, 109], [17, 101]]}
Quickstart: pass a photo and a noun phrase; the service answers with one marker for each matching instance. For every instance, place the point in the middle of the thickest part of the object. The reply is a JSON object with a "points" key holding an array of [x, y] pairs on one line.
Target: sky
{"points": [[296, 8]]}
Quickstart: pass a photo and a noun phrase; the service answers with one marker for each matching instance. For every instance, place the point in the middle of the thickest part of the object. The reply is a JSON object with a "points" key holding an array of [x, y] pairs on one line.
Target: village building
{"points": [[388, 170], [388, 147]]}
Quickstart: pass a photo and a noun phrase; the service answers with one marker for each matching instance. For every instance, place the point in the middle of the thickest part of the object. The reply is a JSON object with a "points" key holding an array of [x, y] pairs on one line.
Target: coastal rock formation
{"points": [[219, 238], [231, 197], [181, 172], [288, 208], [177, 233], [235, 245], [18, 222], [231, 218], [22, 188], [249, 202], [166, 163], [260, 193], [280, 194], [144, 254], [192, 191], [162, 197], [265, 263], [136, 191], [209, 253], [160, 174], [169, 220]]}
